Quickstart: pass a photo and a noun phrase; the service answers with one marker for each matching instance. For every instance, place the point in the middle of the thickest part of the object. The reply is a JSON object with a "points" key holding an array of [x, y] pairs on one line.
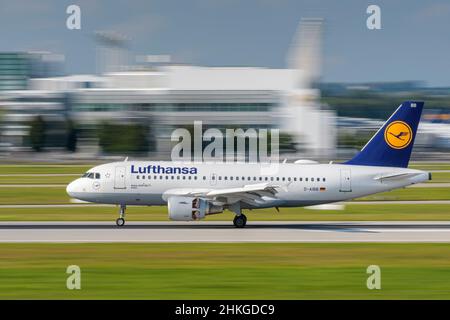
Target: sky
{"points": [[413, 43]]}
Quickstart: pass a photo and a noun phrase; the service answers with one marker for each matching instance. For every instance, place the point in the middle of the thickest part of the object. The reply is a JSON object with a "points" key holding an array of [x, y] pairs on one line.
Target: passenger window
{"points": [[271, 178], [306, 179], [160, 177], [283, 178], [137, 177], [149, 177], [225, 178], [167, 177], [195, 178], [172, 177], [289, 179], [231, 177], [220, 177], [204, 177], [323, 179], [295, 178], [300, 179], [237, 178], [184, 177], [312, 179], [278, 178], [189, 177], [254, 178], [260, 178]]}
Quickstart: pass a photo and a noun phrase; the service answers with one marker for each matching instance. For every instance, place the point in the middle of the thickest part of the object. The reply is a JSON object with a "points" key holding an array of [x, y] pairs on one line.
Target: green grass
{"points": [[38, 180], [43, 169], [225, 271], [439, 177], [426, 166], [384, 212], [30, 195], [411, 194]]}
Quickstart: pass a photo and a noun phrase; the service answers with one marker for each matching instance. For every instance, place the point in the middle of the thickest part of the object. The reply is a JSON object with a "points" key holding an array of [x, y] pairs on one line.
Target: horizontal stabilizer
{"points": [[397, 176]]}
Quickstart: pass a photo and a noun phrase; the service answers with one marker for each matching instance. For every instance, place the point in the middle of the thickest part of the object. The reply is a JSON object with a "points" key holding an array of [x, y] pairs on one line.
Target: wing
{"points": [[253, 194]]}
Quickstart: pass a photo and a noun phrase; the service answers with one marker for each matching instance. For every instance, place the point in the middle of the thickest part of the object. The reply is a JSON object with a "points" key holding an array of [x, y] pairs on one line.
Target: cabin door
{"points": [[346, 181], [119, 178]]}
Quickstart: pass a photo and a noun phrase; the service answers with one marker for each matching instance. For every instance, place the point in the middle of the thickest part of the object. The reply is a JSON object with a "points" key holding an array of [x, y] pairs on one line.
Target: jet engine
{"points": [[190, 208]]}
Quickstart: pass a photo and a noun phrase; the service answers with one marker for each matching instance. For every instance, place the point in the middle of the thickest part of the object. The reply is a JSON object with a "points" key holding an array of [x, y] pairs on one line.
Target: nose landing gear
{"points": [[121, 220]]}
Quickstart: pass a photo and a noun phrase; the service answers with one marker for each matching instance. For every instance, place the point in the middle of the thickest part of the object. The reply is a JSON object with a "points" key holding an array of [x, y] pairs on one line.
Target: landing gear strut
{"points": [[240, 221], [121, 220]]}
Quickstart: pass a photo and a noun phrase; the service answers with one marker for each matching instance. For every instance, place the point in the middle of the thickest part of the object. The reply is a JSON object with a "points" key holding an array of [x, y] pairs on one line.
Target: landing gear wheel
{"points": [[120, 222], [240, 221]]}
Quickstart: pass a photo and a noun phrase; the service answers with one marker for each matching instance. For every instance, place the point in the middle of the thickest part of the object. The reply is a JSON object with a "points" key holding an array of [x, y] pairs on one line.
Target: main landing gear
{"points": [[121, 220], [240, 221]]}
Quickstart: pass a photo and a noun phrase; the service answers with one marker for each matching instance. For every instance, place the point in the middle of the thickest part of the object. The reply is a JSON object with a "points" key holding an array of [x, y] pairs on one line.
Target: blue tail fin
{"points": [[392, 144]]}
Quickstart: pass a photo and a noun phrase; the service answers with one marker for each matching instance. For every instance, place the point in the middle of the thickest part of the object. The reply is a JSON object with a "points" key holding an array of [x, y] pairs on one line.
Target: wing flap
{"points": [[247, 188]]}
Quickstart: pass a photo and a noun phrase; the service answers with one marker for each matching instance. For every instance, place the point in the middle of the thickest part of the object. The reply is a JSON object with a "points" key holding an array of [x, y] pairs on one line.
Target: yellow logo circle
{"points": [[398, 135]]}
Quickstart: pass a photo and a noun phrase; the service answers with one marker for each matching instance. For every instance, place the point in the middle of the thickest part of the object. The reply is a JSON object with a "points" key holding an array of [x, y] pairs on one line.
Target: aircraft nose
{"points": [[71, 188]]}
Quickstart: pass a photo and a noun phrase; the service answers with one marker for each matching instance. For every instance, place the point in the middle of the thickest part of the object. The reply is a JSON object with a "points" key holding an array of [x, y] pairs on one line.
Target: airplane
{"points": [[193, 191]]}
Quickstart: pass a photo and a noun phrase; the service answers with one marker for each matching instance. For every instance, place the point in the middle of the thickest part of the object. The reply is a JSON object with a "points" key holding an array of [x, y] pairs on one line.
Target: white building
{"points": [[167, 97]]}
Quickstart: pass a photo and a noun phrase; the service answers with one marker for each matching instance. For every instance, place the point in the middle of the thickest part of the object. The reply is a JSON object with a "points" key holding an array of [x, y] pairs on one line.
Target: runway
{"points": [[213, 232]]}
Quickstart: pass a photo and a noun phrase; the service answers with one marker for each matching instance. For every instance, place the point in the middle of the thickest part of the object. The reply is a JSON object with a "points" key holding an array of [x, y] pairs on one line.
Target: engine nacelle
{"points": [[189, 208]]}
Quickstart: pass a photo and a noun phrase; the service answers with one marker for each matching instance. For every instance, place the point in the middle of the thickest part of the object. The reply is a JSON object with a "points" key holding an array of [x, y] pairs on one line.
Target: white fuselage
{"points": [[145, 183]]}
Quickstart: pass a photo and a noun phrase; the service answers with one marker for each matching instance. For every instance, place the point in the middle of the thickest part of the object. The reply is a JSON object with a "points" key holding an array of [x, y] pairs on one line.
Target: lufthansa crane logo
{"points": [[398, 135]]}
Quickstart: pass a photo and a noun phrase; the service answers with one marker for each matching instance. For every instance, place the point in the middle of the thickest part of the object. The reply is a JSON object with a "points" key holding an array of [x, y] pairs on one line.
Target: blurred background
{"points": [[136, 71]]}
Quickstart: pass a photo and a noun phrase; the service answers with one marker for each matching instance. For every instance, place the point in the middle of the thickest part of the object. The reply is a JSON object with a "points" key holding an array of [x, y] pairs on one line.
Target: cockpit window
{"points": [[91, 175]]}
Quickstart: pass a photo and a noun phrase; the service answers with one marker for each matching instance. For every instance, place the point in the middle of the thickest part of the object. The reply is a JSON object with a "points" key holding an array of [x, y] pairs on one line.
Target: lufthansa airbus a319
{"points": [[192, 191]]}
